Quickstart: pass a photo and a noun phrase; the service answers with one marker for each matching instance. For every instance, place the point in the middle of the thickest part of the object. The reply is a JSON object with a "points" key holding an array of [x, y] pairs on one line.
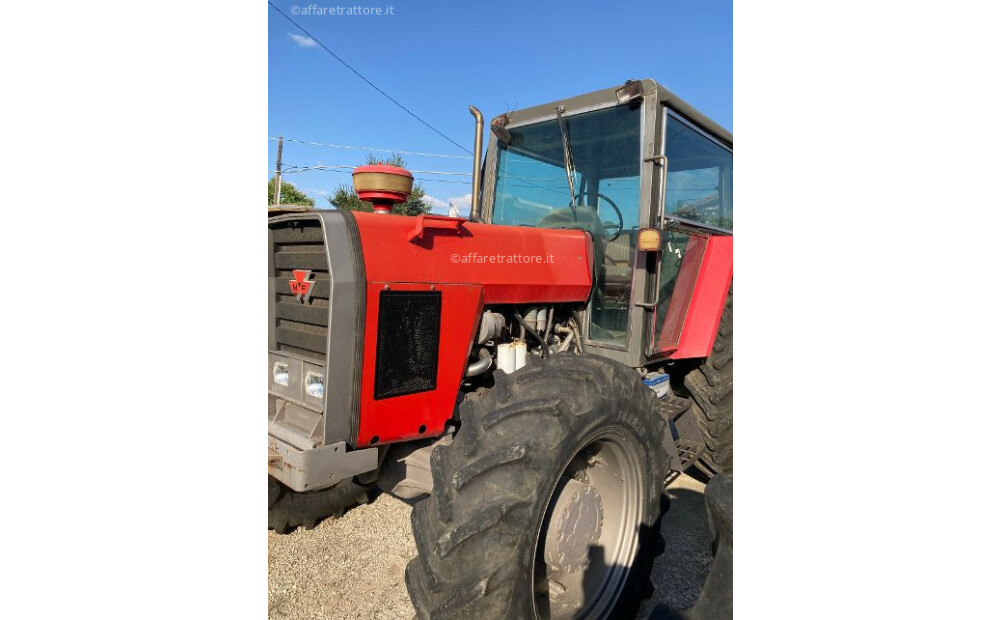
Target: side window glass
{"points": [[699, 177]]}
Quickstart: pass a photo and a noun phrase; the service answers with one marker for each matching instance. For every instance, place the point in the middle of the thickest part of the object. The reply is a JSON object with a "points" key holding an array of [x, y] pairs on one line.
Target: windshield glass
{"points": [[532, 190], [531, 186]]}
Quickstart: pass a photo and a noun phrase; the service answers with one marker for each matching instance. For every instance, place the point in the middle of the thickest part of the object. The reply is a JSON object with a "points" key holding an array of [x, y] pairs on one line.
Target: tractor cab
{"points": [[614, 163]]}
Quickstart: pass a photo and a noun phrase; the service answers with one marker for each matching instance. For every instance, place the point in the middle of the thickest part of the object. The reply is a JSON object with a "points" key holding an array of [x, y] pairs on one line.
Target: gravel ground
{"points": [[352, 568]]}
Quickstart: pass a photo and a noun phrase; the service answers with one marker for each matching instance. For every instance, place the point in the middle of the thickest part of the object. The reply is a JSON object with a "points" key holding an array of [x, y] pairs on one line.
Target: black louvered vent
{"points": [[301, 326], [406, 357]]}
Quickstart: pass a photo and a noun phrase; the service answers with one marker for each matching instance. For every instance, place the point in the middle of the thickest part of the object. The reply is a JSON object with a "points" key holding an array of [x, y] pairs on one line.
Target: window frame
{"points": [[645, 215]]}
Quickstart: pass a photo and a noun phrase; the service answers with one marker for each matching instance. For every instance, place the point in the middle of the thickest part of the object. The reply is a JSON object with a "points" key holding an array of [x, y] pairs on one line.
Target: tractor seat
{"points": [[618, 257], [614, 258], [618, 274]]}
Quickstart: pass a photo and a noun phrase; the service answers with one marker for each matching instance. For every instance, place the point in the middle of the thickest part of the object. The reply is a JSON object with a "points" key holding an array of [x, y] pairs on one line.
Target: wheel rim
{"points": [[589, 535]]}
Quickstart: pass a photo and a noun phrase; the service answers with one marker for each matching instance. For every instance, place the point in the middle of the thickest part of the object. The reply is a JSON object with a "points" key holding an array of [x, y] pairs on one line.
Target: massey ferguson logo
{"points": [[301, 286]]}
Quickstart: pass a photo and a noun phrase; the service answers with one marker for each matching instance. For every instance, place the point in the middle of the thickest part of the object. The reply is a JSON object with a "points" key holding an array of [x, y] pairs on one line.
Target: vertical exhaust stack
{"points": [[477, 170]]}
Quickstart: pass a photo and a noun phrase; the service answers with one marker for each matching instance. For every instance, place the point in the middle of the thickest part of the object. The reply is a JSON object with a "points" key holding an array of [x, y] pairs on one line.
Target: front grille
{"points": [[300, 327], [409, 329]]}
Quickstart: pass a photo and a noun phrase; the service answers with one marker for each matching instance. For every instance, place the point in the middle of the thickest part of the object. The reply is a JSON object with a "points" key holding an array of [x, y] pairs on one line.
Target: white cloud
{"points": [[437, 205], [443, 207], [462, 203], [302, 41]]}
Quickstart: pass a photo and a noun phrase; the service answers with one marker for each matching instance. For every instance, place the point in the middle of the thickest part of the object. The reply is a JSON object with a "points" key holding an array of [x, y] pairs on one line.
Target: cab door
{"points": [[696, 227]]}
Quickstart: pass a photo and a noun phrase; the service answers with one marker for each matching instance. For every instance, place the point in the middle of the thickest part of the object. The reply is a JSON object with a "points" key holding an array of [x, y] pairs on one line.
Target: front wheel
{"points": [[547, 504], [288, 509]]}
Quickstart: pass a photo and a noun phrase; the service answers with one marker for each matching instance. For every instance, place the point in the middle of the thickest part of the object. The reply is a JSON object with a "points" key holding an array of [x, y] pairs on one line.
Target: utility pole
{"points": [[277, 176]]}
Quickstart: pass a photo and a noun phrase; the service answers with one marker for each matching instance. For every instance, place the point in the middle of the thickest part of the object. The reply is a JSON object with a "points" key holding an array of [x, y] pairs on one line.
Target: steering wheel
{"points": [[605, 226]]}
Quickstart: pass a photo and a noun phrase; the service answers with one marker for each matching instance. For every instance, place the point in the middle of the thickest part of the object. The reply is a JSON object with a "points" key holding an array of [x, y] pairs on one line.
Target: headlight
{"points": [[279, 372], [314, 384]]}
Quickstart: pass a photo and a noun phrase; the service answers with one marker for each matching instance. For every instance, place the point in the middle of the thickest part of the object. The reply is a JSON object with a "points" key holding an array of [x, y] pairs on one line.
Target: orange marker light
{"points": [[649, 240]]}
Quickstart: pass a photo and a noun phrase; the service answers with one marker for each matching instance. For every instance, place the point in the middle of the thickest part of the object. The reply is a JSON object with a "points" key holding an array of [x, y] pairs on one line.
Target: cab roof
{"points": [[601, 98]]}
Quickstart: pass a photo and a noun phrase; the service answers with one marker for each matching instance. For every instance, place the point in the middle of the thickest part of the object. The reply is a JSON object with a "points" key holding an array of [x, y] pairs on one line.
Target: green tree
{"points": [[346, 199], [290, 195]]}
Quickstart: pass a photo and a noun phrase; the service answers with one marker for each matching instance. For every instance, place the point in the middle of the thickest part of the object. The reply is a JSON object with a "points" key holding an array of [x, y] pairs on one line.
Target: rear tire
{"points": [[711, 389], [480, 535]]}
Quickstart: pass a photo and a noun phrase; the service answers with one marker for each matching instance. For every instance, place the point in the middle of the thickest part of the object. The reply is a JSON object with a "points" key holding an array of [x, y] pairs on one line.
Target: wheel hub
{"points": [[576, 524], [589, 535]]}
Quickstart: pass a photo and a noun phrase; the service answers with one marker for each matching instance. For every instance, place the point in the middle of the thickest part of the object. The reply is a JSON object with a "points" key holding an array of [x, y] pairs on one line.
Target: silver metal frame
{"points": [[316, 468]]}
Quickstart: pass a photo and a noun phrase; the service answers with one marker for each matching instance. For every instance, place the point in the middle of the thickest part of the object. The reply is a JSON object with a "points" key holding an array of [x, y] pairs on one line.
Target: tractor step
{"points": [[684, 430]]}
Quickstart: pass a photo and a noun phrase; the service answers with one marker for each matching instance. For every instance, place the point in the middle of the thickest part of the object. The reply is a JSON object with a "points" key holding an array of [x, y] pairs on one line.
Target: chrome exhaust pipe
{"points": [[481, 365], [477, 169]]}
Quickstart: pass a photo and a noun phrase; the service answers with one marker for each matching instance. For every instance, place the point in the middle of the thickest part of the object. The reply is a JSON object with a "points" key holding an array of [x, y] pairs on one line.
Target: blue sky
{"points": [[437, 58]]}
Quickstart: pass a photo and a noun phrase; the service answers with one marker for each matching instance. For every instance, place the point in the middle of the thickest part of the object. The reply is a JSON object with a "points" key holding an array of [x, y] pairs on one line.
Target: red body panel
{"points": [[560, 269], [400, 418], [396, 256], [708, 299], [680, 299]]}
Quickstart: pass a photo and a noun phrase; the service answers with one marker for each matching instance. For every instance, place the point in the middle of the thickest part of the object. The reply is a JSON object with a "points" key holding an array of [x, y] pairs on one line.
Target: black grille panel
{"points": [[298, 327], [406, 354]]}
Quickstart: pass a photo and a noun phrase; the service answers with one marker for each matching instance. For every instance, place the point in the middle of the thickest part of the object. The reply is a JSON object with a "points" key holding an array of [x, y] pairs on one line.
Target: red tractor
{"points": [[540, 368]]}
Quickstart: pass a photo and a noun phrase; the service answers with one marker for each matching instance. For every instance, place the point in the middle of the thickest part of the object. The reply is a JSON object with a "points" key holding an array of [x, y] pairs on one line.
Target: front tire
{"points": [[288, 509], [547, 503]]}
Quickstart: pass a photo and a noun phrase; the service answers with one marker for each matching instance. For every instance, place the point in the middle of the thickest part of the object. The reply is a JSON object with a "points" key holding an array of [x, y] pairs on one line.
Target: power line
{"points": [[370, 83], [443, 181], [297, 168], [369, 148], [342, 170]]}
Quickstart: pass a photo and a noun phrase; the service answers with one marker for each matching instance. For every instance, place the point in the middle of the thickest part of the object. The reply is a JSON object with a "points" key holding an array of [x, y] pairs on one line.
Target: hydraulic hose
{"points": [[530, 330]]}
